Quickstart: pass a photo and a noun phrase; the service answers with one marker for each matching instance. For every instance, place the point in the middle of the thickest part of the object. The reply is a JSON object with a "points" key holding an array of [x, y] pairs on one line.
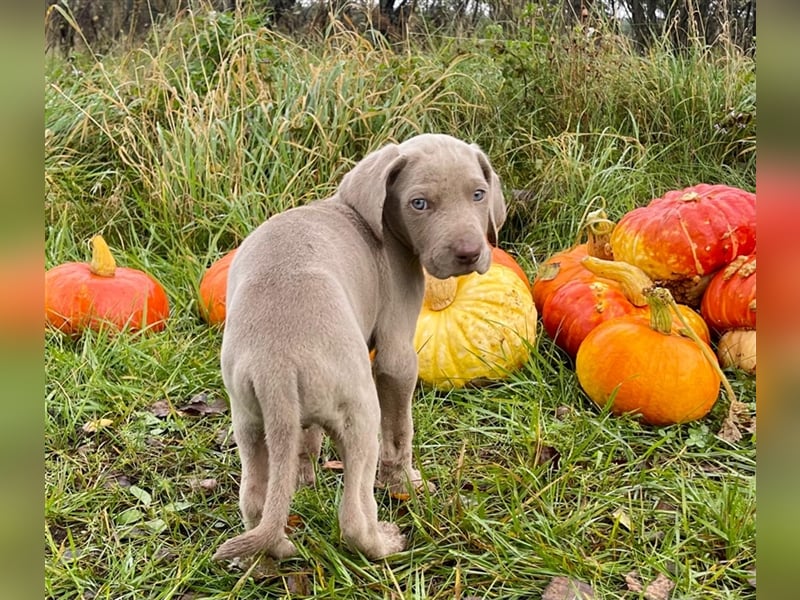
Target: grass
{"points": [[176, 150]]}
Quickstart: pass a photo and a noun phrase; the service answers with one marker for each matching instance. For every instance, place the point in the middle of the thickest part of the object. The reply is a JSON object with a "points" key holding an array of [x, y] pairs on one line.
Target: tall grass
{"points": [[177, 149]]}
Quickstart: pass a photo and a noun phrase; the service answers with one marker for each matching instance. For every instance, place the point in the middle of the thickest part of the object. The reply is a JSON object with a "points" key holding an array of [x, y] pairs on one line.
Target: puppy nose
{"points": [[468, 254]]}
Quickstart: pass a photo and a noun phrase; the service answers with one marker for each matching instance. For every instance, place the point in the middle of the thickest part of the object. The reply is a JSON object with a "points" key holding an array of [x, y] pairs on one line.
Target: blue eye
{"points": [[419, 204], [478, 195]]}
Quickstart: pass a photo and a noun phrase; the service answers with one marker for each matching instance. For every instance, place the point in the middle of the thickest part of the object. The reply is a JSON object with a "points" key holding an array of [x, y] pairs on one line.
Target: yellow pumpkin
{"points": [[475, 328]]}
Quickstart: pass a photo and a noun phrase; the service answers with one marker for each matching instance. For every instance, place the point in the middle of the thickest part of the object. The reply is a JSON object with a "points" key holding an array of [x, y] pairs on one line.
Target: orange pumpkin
{"points": [[213, 286], [614, 290], [81, 296], [729, 302], [682, 238], [647, 368]]}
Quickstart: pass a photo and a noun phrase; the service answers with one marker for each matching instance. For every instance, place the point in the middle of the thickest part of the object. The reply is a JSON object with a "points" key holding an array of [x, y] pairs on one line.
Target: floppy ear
{"points": [[364, 187], [497, 204]]}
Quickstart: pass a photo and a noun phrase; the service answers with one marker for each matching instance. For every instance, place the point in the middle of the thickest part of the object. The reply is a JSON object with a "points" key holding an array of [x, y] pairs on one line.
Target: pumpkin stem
{"points": [[658, 299], [103, 263], [669, 302], [439, 293], [598, 229], [630, 278]]}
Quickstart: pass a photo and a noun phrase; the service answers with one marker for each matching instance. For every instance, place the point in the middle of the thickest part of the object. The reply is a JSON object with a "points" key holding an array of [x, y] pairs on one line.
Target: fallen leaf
{"points": [[633, 582], [333, 465], [562, 412], [199, 405], [96, 425], [565, 588], [298, 584], [161, 408], [622, 518], [738, 418], [752, 580], [404, 496], [659, 588], [203, 485], [293, 522], [547, 454]]}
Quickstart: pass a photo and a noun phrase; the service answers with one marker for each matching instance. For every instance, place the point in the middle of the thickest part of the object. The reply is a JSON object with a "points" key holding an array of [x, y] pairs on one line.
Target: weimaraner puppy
{"points": [[309, 293]]}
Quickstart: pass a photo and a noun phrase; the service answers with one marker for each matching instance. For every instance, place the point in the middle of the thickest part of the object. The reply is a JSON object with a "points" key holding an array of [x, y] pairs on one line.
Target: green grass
{"points": [[176, 150]]}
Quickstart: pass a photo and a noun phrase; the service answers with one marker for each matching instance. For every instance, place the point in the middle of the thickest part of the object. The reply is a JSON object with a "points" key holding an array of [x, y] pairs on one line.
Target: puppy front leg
{"points": [[395, 379]]}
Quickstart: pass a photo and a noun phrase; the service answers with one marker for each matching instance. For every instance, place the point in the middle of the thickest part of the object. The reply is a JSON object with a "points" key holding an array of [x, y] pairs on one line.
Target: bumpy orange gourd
{"points": [[212, 290], [614, 290], [729, 307], [682, 238], [81, 296], [648, 368], [475, 328]]}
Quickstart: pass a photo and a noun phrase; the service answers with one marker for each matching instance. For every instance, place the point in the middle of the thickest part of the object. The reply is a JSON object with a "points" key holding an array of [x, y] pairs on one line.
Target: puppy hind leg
{"points": [[358, 511], [255, 472]]}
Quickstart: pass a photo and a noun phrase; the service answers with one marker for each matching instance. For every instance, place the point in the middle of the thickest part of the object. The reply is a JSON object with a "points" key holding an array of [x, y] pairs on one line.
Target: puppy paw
{"points": [[393, 540], [399, 482]]}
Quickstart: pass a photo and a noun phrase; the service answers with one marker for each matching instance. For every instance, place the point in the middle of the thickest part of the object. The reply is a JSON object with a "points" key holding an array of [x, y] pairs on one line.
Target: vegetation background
{"points": [[177, 132]]}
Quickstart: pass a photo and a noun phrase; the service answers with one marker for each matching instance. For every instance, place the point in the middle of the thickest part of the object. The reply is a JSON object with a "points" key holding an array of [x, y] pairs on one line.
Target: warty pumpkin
{"points": [[475, 328], [682, 238], [81, 296], [614, 290], [646, 367], [729, 307], [212, 289]]}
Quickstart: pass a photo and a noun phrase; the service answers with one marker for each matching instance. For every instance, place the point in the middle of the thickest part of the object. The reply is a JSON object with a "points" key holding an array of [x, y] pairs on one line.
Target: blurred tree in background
{"points": [[72, 23]]}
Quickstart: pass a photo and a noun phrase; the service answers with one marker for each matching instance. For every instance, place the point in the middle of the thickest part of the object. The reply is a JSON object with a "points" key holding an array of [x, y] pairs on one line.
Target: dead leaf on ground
{"points": [[96, 425], [203, 485], [737, 419], [547, 454], [333, 465], [161, 408], [565, 588], [293, 522], [658, 589], [298, 584], [752, 580], [200, 406], [622, 517]]}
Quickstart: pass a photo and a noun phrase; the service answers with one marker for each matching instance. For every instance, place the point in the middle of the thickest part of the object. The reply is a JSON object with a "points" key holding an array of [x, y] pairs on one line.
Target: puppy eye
{"points": [[419, 204], [478, 195]]}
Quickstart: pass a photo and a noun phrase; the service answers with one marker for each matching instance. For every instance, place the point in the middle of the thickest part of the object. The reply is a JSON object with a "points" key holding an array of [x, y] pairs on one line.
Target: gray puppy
{"points": [[309, 293]]}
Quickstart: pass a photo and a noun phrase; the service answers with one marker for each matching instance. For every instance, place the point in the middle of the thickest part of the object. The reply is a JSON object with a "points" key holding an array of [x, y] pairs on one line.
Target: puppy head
{"points": [[446, 204]]}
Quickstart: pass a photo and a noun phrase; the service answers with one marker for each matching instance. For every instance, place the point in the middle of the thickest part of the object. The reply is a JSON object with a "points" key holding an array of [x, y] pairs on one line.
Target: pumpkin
{"points": [[213, 286], [646, 367], [81, 296], [729, 307], [616, 290], [475, 328], [729, 302], [737, 348], [682, 238]]}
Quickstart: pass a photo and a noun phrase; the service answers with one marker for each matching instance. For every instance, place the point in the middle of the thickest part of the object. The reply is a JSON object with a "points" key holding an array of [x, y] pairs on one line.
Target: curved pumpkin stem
{"points": [[630, 278], [439, 293], [103, 263], [669, 302], [658, 299], [598, 229]]}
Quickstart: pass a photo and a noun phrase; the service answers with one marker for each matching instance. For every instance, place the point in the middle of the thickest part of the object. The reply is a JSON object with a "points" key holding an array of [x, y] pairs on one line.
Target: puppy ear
{"points": [[364, 187], [497, 204]]}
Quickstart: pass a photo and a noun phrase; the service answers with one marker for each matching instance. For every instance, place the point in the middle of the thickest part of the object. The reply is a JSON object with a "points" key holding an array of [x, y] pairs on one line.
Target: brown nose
{"points": [[468, 254]]}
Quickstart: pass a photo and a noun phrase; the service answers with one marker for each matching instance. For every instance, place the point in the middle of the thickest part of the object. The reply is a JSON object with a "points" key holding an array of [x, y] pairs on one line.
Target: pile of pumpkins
{"points": [[610, 303]]}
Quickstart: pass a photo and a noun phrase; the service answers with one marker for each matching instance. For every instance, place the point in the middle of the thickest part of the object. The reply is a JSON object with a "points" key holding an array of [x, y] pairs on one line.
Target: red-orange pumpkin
{"points": [[729, 302], [685, 236], [81, 296], [213, 286]]}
